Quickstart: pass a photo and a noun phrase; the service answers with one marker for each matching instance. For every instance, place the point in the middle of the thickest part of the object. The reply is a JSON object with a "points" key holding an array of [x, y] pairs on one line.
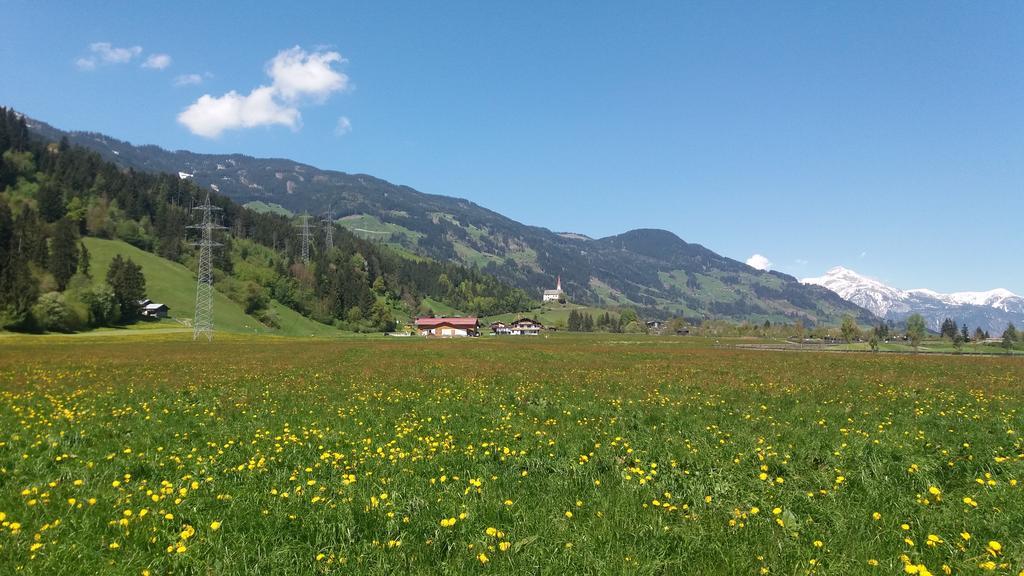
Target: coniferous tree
{"points": [[18, 289], [574, 321], [882, 331], [63, 262], [1008, 339], [30, 237], [129, 285], [948, 328], [51, 203], [84, 263]]}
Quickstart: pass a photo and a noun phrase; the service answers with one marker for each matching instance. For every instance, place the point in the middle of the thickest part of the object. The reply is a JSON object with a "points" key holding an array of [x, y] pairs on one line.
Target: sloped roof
{"points": [[469, 322]]}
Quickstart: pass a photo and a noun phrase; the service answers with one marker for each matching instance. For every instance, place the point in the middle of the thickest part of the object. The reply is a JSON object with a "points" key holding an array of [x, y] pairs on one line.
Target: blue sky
{"points": [[886, 137]]}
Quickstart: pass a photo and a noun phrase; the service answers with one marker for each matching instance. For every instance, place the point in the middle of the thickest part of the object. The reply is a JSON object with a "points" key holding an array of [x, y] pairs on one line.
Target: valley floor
{"points": [[598, 454]]}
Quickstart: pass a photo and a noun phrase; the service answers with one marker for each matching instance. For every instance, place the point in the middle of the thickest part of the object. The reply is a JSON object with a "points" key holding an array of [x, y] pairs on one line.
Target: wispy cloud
{"points": [[296, 77], [344, 126], [107, 53], [157, 61], [188, 79], [760, 262]]}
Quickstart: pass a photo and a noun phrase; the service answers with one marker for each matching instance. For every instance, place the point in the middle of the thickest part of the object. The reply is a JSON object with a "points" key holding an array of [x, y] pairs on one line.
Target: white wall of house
{"points": [[447, 331]]}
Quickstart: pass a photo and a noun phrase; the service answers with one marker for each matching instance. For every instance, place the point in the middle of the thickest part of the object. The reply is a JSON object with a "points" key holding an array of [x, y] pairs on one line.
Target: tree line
{"points": [[625, 321]]}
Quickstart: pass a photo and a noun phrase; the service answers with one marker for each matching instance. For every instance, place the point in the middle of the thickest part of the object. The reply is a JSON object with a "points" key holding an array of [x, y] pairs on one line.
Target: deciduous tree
{"points": [[915, 330]]}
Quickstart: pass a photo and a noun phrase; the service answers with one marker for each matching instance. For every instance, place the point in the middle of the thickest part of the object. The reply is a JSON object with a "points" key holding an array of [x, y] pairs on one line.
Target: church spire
{"points": [[558, 285]]}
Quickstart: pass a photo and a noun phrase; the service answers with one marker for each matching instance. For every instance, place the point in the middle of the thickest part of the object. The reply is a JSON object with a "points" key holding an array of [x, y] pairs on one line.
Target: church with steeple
{"points": [[555, 295]]}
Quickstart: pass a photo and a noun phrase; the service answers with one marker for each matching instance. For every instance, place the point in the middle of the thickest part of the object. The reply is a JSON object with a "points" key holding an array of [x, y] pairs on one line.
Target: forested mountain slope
{"points": [[53, 194]]}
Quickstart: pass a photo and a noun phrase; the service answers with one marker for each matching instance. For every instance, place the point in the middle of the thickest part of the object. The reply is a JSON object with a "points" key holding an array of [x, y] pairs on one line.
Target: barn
{"points": [[151, 309]]}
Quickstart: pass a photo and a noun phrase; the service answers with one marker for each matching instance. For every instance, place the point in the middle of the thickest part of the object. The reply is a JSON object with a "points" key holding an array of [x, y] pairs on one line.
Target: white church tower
{"points": [[555, 295]]}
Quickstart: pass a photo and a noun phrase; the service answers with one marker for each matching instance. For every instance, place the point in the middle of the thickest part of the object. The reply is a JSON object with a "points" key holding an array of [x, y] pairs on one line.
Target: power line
{"points": [[203, 322]]}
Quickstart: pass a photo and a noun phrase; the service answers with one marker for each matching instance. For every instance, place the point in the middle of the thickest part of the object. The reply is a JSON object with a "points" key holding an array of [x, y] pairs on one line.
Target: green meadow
{"points": [[605, 454]]}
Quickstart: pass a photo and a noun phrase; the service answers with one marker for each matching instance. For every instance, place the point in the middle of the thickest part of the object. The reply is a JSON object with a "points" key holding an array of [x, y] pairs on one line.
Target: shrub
{"points": [[53, 313]]}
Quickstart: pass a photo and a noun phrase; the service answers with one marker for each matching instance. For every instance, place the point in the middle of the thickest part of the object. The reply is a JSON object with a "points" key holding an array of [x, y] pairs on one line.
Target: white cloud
{"points": [[106, 53], [157, 61], [760, 262], [210, 116], [344, 126], [800, 262], [296, 75], [188, 79]]}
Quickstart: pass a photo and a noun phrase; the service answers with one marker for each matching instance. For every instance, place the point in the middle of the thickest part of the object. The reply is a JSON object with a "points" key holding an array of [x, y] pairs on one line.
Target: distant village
{"points": [[459, 326]]}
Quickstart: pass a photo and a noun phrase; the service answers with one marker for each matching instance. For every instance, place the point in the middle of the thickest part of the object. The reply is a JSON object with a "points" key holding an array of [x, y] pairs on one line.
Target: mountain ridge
{"points": [[650, 269]]}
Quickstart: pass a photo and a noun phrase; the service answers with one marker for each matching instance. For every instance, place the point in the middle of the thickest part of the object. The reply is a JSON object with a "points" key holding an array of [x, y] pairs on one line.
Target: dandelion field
{"points": [[567, 455]]}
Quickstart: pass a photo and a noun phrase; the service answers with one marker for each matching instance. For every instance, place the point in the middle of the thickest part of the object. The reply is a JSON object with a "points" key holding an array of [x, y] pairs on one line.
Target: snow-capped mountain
{"points": [[863, 291], [991, 310], [1000, 298]]}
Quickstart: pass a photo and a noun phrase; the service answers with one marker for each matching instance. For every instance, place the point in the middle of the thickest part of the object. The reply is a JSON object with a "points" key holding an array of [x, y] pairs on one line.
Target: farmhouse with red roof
{"points": [[448, 327]]}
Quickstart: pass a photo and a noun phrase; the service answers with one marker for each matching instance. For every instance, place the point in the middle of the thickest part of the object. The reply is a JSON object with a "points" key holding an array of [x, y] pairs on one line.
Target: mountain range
{"points": [[991, 310], [652, 270]]}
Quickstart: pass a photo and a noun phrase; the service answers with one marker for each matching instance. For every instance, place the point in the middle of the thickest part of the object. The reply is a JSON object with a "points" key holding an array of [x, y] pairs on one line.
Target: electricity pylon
{"points": [[203, 322], [328, 225], [305, 235]]}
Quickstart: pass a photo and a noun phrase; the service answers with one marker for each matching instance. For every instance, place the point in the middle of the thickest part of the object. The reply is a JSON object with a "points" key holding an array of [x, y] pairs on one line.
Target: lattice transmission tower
{"points": [[305, 235], [203, 321], [328, 225]]}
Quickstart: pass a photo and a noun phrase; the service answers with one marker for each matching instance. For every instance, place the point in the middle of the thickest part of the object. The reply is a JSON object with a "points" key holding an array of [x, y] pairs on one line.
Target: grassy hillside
{"points": [[265, 207], [549, 315], [172, 284]]}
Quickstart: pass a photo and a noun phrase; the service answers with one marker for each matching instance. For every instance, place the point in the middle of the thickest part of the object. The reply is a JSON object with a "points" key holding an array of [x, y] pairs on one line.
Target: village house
{"points": [[448, 327], [555, 295], [519, 327], [152, 309]]}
